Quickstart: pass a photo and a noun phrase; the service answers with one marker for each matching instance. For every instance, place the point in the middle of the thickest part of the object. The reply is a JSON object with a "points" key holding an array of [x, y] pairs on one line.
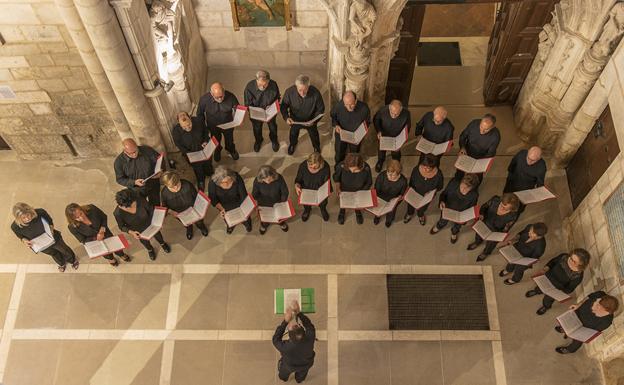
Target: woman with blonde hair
{"points": [[88, 223], [30, 223], [178, 195], [313, 173]]}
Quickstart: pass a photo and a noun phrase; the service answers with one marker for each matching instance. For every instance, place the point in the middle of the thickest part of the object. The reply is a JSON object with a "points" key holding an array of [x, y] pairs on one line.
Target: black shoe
{"points": [[325, 215], [508, 281], [378, 166], [341, 219], [262, 229], [275, 146], [75, 265], [152, 254], [562, 350], [559, 329], [204, 231], [541, 310], [257, 146], [126, 258], [376, 220], [248, 226], [388, 224], [189, 233], [235, 156], [531, 293], [407, 218], [434, 230], [305, 216], [481, 257], [453, 238], [503, 273], [217, 155], [422, 220], [291, 149], [359, 218], [229, 230], [62, 268], [284, 227], [115, 263], [472, 246], [166, 248]]}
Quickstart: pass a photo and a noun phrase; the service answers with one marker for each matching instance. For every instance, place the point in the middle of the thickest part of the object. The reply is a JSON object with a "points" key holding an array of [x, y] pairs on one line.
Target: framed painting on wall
{"points": [[261, 13]]}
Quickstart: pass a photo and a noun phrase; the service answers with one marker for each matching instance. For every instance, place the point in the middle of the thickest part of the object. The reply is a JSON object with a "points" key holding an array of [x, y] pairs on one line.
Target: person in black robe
{"points": [[313, 173], [479, 140], [389, 185], [88, 223], [351, 175], [177, 196], [297, 353], [530, 243], [191, 135], [262, 92], [348, 114], [133, 215], [526, 171], [435, 126], [565, 272], [269, 188], [134, 165], [458, 195], [217, 107], [302, 102], [390, 121], [595, 312], [426, 176], [498, 214], [29, 223], [227, 191]]}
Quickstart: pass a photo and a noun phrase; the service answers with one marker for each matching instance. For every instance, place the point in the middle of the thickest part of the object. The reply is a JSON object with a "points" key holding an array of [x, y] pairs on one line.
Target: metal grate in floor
{"points": [[436, 302], [438, 53]]}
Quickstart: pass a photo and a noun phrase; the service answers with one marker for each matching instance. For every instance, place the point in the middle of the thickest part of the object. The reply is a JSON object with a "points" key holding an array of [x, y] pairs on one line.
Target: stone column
{"points": [[337, 13], [111, 49], [87, 53], [136, 27]]}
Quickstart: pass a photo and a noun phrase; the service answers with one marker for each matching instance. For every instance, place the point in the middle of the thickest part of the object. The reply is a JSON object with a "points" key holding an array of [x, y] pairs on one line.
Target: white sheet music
{"points": [[512, 255], [427, 147], [484, 232], [547, 288], [106, 246], [357, 199], [205, 153], [262, 114], [158, 166], [43, 241], [309, 122], [157, 221], [241, 213], [393, 143], [239, 116], [383, 207], [573, 327], [459, 216], [314, 197], [279, 212], [534, 195], [416, 200], [356, 136], [472, 165]]}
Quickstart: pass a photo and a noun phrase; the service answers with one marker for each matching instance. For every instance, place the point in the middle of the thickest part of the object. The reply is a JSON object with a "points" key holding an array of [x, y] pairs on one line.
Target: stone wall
{"points": [[304, 46], [587, 226], [58, 113]]}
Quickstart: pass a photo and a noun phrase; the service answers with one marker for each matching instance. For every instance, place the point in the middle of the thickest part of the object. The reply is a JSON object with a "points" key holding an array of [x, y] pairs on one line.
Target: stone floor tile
{"points": [[203, 301], [362, 302], [467, 362], [198, 363], [32, 362], [143, 301]]}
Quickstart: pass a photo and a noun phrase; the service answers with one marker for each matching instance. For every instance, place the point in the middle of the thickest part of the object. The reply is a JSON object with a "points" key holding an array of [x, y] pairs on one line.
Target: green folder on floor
{"points": [[284, 297]]}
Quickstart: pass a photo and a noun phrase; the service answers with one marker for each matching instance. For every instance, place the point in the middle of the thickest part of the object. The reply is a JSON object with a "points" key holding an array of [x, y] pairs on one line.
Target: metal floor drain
{"points": [[436, 302]]}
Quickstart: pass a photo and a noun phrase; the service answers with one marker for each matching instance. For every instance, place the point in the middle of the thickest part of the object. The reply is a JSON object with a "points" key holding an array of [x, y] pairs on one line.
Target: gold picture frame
{"points": [[261, 13]]}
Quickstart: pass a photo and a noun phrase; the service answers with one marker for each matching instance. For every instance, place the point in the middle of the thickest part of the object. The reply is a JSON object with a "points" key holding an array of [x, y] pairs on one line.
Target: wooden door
{"points": [[593, 158], [402, 64], [512, 47]]}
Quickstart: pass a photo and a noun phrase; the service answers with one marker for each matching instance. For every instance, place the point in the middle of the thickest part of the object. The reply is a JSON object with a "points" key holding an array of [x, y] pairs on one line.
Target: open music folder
{"points": [[241, 213], [283, 299], [488, 235], [512, 255], [383, 207], [158, 166], [427, 147], [393, 143], [549, 289], [106, 246], [416, 200], [356, 136], [157, 221], [262, 114], [278, 213], [314, 197], [309, 122], [205, 153], [239, 115], [358, 199], [460, 216], [472, 165], [573, 327], [534, 195], [197, 211], [43, 241]]}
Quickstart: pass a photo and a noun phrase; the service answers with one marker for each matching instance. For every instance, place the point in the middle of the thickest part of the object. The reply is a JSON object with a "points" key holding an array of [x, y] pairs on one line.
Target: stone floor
{"points": [[203, 314]]}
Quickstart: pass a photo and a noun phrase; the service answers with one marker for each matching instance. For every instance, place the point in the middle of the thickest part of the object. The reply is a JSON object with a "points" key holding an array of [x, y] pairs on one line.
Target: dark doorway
{"points": [[593, 158]]}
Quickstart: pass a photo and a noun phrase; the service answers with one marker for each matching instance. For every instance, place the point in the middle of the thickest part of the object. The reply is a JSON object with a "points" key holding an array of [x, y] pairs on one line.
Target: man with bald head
{"points": [[348, 114], [217, 107], [526, 170], [479, 140], [135, 164], [435, 126], [261, 92], [390, 121]]}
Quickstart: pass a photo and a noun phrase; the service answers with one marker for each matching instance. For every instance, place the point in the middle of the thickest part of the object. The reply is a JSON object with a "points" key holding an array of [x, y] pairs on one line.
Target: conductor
{"points": [[298, 351]]}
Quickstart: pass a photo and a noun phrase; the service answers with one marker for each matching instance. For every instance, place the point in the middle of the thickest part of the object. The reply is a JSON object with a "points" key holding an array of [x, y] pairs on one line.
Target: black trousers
{"points": [[257, 130], [284, 371], [120, 253], [202, 170], [420, 212], [146, 243], [381, 155], [199, 224], [220, 134], [342, 148], [518, 271], [312, 131], [60, 252], [151, 191], [574, 346], [322, 206], [547, 301], [246, 223], [489, 245], [443, 222]]}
